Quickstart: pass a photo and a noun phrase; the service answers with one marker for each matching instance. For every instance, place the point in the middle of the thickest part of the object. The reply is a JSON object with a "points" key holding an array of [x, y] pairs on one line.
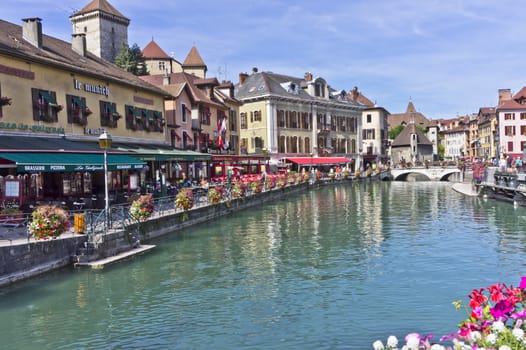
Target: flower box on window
{"points": [[5, 101]]}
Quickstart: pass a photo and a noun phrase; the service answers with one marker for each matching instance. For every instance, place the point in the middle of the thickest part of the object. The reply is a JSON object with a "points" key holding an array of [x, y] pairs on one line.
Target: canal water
{"points": [[337, 267]]}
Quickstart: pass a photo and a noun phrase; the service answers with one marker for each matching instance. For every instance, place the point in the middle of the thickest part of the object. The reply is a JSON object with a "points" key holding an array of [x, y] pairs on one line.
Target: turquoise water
{"points": [[333, 268]]}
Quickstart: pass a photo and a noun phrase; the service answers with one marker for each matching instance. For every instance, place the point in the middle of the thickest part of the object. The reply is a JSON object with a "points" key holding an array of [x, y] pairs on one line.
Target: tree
{"points": [[394, 132], [131, 60]]}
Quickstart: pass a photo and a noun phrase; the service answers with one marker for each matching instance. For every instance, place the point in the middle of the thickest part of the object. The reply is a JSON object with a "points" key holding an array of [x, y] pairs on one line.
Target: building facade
{"points": [[284, 116], [57, 99], [511, 114]]}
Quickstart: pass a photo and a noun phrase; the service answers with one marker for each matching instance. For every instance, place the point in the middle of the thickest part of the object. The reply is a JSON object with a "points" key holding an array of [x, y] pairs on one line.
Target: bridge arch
{"points": [[425, 174]]}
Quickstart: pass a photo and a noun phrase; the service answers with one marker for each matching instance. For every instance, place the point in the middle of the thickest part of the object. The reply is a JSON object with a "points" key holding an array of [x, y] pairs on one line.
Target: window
{"points": [[509, 130], [281, 119], [259, 142], [523, 130], [243, 120], [232, 120], [45, 107], [509, 116], [510, 146], [77, 110], [368, 134], [523, 116], [4, 101], [369, 118], [133, 117], [205, 115], [243, 145], [255, 116], [161, 66], [294, 120], [184, 110], [108, 114]]}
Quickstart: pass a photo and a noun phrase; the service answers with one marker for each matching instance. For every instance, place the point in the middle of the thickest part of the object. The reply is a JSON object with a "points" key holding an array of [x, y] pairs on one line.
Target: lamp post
{"points": [[105, 144]]}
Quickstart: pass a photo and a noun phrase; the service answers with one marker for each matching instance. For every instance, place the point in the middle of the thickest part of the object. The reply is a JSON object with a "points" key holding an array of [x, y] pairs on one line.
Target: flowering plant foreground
{"points": [[142, 207], [495, 322], [48, 221]]}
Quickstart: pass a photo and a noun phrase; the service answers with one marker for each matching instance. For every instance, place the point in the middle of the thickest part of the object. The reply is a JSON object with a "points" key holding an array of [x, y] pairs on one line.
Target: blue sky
{"points": [[449, 57]]}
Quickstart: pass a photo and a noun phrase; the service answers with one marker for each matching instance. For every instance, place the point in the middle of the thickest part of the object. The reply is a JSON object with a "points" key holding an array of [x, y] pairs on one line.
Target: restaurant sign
{"points": [[33, 168]]}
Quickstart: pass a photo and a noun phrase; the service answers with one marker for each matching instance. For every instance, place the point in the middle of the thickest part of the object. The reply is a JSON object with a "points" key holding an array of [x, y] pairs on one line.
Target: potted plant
{"points": [[48, 221], [142, 207]]}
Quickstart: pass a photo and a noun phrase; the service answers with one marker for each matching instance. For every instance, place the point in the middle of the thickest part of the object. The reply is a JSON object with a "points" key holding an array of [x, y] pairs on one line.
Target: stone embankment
{"points": [[24, 258]]}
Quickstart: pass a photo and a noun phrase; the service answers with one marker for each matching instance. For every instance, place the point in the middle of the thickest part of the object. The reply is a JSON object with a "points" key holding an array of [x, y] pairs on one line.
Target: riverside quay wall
{"points": [[23, 259]]}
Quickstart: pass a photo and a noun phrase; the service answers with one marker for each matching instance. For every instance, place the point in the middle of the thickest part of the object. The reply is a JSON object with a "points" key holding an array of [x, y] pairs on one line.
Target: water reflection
{"points": [[336, 267]]}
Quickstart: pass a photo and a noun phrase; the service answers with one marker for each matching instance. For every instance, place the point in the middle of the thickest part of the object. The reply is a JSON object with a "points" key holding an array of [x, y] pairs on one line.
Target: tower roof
{"points": [[194, 58], [99, 5], [153, 50]]}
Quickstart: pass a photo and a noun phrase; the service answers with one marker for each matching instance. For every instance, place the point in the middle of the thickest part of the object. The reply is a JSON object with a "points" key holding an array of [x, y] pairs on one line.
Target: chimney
{"points": [[166, 79], [504, 95], [78, 43], [308, 76], [242, 78], [32, 31]]}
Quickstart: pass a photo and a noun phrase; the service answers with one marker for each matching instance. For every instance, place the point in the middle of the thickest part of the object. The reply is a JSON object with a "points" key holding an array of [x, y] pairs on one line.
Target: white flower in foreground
{"points": [[498, 326], [392, 342], [437, 347], [504, 347], [412, 341], [378, 345], [491, 338], [474, 336], [518, 333]]}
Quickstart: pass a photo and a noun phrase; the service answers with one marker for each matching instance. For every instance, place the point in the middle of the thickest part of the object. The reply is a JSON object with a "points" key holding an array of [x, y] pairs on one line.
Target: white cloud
{"points": [[449, 56]]}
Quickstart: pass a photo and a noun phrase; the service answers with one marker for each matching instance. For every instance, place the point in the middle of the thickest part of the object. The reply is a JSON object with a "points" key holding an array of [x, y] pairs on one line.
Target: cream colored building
{"points": [[296, 117]]}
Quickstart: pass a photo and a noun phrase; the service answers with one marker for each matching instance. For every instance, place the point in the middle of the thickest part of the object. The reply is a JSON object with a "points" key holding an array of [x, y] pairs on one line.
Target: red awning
{"points": [[318, 160]]}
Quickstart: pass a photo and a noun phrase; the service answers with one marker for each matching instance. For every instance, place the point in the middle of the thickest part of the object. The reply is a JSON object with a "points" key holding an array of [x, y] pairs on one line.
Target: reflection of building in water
{"points": [[370, 208]]}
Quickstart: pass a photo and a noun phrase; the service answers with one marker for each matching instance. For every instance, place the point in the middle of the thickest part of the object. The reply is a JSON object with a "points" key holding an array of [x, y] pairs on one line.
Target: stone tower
{"points": [[106, 29]]}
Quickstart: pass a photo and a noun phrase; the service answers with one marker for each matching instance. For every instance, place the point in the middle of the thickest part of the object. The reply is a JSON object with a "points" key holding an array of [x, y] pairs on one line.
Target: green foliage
{"points": [[394, 132], [131, 60]]}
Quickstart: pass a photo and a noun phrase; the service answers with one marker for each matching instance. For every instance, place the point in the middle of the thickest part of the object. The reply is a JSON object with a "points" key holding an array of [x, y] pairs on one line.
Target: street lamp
{"points": [[105, 144]]}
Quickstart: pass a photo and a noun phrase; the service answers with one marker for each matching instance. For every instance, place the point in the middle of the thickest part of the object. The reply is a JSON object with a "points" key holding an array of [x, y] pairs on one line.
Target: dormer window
{"points": [[291, 87]]}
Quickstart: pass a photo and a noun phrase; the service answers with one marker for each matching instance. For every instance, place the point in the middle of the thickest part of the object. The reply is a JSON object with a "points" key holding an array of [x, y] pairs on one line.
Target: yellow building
{"points": [[57, 99]]}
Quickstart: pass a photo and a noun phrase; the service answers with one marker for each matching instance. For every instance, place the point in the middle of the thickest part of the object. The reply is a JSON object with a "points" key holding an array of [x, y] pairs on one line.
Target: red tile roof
{"points": [[152, 50], [99, 5], [193, 58]]}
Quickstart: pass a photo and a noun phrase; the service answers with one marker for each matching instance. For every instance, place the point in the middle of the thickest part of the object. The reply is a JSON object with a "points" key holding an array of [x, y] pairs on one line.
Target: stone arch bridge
{"points": [[431, 173]]}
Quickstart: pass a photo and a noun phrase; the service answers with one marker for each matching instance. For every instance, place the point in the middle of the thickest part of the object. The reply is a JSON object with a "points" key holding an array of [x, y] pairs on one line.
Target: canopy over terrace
{"points": [[64, 162], [58, 154], [159, 153], [317, 161]]}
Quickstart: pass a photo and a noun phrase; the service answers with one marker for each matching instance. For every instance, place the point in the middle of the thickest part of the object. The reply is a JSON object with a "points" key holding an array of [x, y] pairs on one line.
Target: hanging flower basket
{"points": [[184, 200], [215, 195], [142, 208], [48, 221]]}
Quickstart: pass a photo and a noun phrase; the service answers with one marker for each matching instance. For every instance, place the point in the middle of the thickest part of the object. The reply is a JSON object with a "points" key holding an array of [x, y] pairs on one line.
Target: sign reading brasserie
{"points": [[75, 167]]}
